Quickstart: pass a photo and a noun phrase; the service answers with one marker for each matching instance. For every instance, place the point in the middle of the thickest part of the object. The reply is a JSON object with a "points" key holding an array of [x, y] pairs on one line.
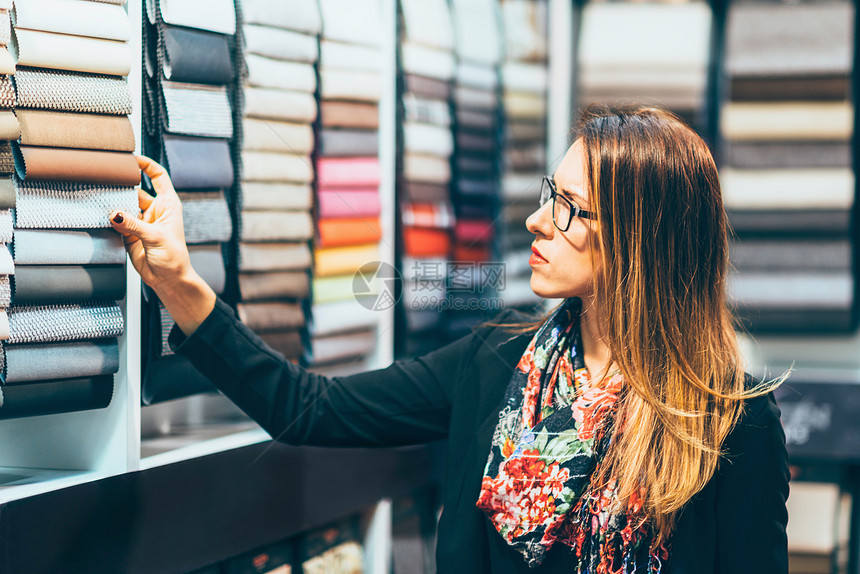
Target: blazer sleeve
{"points": [[751, 492], [407, 403]]}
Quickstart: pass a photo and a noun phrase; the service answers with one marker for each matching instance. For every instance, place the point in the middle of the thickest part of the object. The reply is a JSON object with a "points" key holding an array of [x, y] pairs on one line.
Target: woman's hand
{"points": [[155, 241]]}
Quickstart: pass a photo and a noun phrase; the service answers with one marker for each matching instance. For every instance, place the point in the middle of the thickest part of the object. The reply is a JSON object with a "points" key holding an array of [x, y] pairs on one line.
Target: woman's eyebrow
{"points": [[575, 197]]}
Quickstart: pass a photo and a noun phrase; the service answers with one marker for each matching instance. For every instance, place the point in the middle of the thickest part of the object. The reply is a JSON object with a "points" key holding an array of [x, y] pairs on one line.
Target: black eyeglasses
{"points": [[563, 209]]}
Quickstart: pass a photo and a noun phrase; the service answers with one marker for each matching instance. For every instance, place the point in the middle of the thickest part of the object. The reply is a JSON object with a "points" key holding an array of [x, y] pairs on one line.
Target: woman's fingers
{"points": [[128, 225], [160, 179], [144, 200]]}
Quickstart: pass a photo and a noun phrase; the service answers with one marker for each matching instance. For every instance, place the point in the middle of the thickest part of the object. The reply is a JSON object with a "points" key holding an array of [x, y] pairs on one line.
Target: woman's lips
{"points": [[536, 258]]}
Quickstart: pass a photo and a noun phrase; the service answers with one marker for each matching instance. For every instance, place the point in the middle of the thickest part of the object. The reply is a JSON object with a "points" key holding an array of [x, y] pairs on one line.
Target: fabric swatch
{"points": [[287, 343], [352, 21], [351, 231], [343, 260], [206, 217], [340, 143], [280, 44], [788, 189], [67, 247], [426, 110], [342, 56], [43, 361], [782, 290], [525, 26], [348, 203], [754, 222], [219, 15], [524, 106], [356, 86], [7, 60], [269, 166], [9, 126], [420, 192], [55, 323], [198, 163], [356, 115], [426, 168], [342, 316], [337, 288], [428, 62], [468, 231], [802, 255], [6, 227], [7, 92], [269, 103], [264, 317], [73, 53], [342, 347], [76, 166], [428, 22], [274, 285], [49, 284], [437, 214], [270, 73], [90, 19], [52, 205], [828, 121], [271, 135], [5, 291], [480, 76], [5, 27], [288, 14], [195, 56], [276, 226], [427, 87], [274, 256], [54, 397], [7, 193], [75, 130], [426, 242], [276, 196], [208, 261], [427, 139], [7, 264], [72, 92], [476, 30], [197, 110], [348, 172], [789, 154], [797, 88], [473, 98]]}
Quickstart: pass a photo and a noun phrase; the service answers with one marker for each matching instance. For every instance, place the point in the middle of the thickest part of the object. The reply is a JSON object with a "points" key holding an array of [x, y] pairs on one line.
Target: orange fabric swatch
{"points": [[352, 231], [77, 166], [426, 242]]}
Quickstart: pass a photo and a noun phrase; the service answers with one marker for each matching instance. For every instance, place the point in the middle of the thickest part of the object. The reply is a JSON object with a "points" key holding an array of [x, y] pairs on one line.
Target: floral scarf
{"points": [[553, 432]]}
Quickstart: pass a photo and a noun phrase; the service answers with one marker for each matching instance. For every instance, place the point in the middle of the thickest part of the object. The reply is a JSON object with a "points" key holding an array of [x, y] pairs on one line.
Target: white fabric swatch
{"points": [[271, 135], [428, 22], [354, 86], [269, 73], [280, 44], [525, 25], [791, 121], [430, 62], [215, 16], [477, 30], [283, 196], [341, 56], [353, 21], [428, 139], [301, 15], [279, 104], [74, 53], [787, 189], [268, 166], [75, 17]]}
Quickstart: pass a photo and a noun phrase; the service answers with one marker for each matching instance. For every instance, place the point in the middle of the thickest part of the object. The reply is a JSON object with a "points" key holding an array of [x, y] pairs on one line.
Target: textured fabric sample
{"points": [[75, 53], [350, 85], [525, 77], [195, 56], [528, 157], [798, 255], [340, 316], [5, 291], [67, 247], [428, 62], [271, 316], [7, 60], [271, 135], [342, 347], [276, 226], [475, 99], [427, 139], [426, 242], [6, 227], [73, 130], [352, 21], [339, 143], [10, 129], [52, 205], [270, 73], [198, 163], [49, 284], [73, 92], [787, 154], [268, 103], [90, 19], [342, 260], [468, 231], [426, 168], [348, 172], [349, 115], [206, 217], [479, 76], [280, 44], [208, 261], [278, 196], [274, 256], [54, 397], [5, 28], [788, 189], [337, 288], [426, 110], [44, 361], [287, 343], [167, 324], [7, 92], [268, 166], [351, 231], [76, 166], [197, 110], [4, 325], [55, 323], [280, 284], [219, 15], [348, 203], [827, 121], [288, 14], [812, 38], [341, 56]]}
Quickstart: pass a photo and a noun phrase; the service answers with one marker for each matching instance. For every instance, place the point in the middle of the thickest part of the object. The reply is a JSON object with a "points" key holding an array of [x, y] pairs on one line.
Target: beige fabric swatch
{"points": [[522, 105], [78, 166], [271, 316], [350, 85], [91, 19], [276, 225], [10, 129], [75, 53], [265, 196], [73, 130], [342, 260], [279, 284], [274, 256], [269, 166], [270, 103], [820, 121], [426, 168], [7, 61], [271, 135]]}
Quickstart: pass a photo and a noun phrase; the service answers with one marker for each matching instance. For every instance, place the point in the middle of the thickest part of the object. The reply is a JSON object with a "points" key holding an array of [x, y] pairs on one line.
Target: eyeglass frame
{"points": [[575, 210]]}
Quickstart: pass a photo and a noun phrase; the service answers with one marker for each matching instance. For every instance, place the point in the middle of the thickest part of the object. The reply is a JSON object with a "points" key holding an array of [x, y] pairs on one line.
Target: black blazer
{"points": [[736, 525]]}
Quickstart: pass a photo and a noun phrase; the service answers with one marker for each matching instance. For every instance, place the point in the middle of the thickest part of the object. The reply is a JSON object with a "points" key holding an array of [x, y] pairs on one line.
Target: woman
{"points": [[621, 436]]}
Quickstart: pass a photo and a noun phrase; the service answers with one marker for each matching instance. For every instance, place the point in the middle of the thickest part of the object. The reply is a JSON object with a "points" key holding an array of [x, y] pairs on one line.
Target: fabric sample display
{"points": [[91, 19], [41, 361], [7, 264], [266, 166], [197, 110], [428, 62], [208, 261], [51, 205], [259, 286], [337, 232], [72, 53], [288, 14], [280, 44], [5, 291], [219, 15], [46, 284], [7, 193], [53, 397], [206, 216], [279, 104], [271, 316], [275, 195], [73, 130], [195, 56], [427, 139], [277, 136], [428, 22], [348, 203], [7, 92], [46, 324], [426, 168], [198, 163], [72, 92], [274, 256], [67, 247], [276, 226], [76, 166], [342, 260]]}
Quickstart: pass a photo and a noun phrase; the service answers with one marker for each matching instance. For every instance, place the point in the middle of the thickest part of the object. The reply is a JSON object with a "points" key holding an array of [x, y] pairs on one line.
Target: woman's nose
{"points": [[540, 221]]}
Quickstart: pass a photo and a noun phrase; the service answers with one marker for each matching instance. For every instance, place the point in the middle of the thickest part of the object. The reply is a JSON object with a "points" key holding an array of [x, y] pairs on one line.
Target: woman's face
{"points": [[561, 261]]}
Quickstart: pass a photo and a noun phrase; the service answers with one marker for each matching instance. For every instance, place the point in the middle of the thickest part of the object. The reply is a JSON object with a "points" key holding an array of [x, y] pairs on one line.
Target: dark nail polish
{"points": [[118, 218]]}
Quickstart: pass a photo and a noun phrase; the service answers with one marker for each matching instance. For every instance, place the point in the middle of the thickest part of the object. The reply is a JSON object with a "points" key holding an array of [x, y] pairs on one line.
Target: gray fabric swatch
{"points": [[208, 261], [271, 316], [53, 205], [197, 110], [334, 143], [7, 193], [787, 154], [46, 284], [274, 256], [206, 216], [274, 285], [67, 247], [72, 91], [55, 323], [198, 163], [45, 361]]}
